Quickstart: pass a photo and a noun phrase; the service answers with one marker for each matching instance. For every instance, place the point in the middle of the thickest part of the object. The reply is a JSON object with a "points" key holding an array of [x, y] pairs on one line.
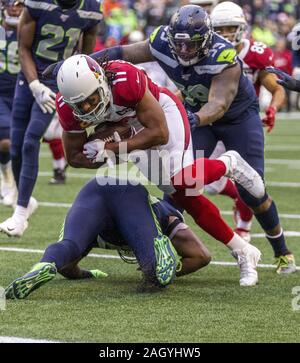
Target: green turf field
{"points": [[208, 306]]}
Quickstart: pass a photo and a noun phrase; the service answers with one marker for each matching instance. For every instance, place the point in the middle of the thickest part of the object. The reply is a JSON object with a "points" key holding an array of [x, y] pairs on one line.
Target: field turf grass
{"points": [[208, 306]]}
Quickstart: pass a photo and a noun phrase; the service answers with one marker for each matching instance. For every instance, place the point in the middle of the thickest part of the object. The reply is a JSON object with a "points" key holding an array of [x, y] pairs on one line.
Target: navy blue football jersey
{"points": [[9, 61], [194, 81], [58, 30], [162, 210]]}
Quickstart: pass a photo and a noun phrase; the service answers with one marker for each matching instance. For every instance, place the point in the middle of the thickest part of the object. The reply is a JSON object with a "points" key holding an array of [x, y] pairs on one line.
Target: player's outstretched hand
{"points": [[269, 119], [51, 71], [285, 79]]}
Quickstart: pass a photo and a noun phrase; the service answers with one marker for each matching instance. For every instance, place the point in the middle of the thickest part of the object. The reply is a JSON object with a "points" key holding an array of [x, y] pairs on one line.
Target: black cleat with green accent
{"points": [[21, 287]]}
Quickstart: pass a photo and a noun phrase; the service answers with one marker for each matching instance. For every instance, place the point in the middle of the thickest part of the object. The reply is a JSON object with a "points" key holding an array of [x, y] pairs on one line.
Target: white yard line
{"points": [[114, 257], [4, 339], [123, 175], [224, 212], [295, 162], [283, 147], [282, 184]]}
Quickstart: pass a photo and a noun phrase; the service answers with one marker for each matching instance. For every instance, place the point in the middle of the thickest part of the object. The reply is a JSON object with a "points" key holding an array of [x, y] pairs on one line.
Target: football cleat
{"points": [[166, 260], [32, 207], [10, 198], [286, 264], [240, 171], [8, 188], [23, 286], [59, 177], [13, 227], [247, 259]]}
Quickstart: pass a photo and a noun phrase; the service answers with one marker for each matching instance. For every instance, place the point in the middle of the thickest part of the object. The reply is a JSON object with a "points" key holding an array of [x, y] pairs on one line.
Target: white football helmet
{"points": [[229, 14], [203, 2], [208, 5], [78, 78]]}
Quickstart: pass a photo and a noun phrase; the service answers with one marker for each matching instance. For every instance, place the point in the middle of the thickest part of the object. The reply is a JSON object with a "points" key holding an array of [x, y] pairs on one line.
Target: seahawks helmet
{"points": [[190, 34]]}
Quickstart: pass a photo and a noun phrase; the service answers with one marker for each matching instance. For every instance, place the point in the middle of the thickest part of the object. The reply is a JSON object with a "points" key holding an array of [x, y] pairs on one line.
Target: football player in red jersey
{"points": [[90, 94], [229, 21]]}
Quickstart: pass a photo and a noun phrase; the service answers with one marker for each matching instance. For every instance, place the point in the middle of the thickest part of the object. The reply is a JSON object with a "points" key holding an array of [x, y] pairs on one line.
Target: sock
{"points": [[244, 211], [236, 243], [268, 221], [59, 164], [230, 190], [20, 213], [205, 214], [204, 171], [56, 148], [278, 244]]}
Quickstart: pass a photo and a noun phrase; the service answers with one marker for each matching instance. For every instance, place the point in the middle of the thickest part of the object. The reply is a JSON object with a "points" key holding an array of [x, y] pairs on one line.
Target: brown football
{"points": [[106, 131]]}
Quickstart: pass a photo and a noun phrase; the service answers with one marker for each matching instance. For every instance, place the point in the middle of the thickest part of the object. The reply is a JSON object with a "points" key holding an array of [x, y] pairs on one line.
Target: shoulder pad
{"points": [[227, 55], [158, 34]]}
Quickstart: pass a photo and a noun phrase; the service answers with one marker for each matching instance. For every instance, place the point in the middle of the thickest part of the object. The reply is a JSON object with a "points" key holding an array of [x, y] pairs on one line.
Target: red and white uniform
{"points": [[128, 88], [256, 56]]}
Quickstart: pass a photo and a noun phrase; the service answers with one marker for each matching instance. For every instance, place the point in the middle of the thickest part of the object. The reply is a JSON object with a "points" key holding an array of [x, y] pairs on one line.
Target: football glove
{"points": [[285, 80], [193, 120], [43, 95], [98, 274], [95, 151], [269, 120]]}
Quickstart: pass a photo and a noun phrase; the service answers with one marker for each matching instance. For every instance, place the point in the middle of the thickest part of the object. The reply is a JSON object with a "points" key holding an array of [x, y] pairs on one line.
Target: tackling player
{"points": [[91, 95], [131, 220], [205, 68], [9, 68], [49, 30], [229, 21]]}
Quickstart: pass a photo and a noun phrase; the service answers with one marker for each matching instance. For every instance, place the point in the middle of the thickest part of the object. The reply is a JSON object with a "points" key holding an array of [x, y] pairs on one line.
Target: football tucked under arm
{"points": [[106, 131], [109, 132]]}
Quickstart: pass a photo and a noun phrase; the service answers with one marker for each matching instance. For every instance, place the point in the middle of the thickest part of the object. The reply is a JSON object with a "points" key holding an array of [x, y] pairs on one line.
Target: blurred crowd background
{"points": [[270, 21]]}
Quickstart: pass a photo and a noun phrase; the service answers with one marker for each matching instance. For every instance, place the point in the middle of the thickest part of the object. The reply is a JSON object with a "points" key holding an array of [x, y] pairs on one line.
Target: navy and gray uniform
{"points": [[57, 34], [240, 128], [9, 68], [123, 215]]}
